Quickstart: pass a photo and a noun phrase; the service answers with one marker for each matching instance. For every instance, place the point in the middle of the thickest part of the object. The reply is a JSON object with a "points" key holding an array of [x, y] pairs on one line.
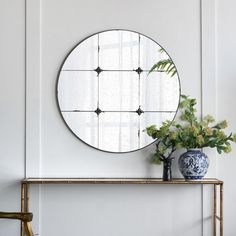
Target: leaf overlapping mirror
{"points": [[107, 95]]}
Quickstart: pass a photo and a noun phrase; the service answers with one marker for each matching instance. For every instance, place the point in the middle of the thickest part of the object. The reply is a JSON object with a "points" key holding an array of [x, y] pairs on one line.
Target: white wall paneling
{"points": [[186, 29], [33, 101], [208, 99], [208, 62], [12, 103], [61, 26], [33, 88], [226, 72]]}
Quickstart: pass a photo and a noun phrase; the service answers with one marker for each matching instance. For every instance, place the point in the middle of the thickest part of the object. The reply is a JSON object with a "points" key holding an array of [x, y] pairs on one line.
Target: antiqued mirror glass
{"points": [[107, 96]]}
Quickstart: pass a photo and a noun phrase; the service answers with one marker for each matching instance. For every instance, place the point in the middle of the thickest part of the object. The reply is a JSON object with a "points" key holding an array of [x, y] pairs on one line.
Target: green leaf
{"points": [[166, 65], [156, 159]]}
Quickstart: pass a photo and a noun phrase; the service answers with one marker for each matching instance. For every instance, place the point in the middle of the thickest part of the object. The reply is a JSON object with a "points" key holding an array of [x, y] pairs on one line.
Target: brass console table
{"points": [[25, 184]]}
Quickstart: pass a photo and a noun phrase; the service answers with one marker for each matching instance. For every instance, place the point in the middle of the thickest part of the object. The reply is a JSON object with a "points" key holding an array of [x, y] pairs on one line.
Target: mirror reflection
{"points": [[107, 95]]}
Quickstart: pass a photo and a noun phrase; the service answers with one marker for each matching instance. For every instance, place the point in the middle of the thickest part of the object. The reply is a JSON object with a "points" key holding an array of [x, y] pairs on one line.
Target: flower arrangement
{"points": [[190, 133]]}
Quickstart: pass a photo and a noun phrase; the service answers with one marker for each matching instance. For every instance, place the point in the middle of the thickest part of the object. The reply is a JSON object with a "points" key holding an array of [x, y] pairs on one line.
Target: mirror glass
{"points": [[107, 96]]}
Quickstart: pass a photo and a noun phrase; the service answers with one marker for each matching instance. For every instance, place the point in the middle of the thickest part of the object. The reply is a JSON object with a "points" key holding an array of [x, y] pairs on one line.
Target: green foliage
{"points": [[190, 132], [166, 65], [166, 141], [200, 133]]}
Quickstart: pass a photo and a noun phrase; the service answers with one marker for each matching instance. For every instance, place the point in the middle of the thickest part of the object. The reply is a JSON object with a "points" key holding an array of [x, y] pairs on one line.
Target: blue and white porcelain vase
{"points": [[193, 164]]}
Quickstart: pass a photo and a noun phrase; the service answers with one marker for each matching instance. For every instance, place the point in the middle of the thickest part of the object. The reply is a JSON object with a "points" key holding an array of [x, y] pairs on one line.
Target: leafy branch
{"points": [[165, 65], [190, 132]]}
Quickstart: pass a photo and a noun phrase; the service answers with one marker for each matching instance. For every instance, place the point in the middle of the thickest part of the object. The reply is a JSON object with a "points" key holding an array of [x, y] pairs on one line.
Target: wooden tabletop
{"points": [[117, 181]]}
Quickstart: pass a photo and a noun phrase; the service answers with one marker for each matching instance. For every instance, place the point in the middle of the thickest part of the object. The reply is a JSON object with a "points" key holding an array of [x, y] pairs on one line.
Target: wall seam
{"points": [[216, 74], [201, 97], [40, 113], [25, 87]]}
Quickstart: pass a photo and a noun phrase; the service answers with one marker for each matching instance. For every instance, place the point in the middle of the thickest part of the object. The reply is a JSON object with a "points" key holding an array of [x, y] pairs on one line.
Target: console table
{"points": [[217, 184]]}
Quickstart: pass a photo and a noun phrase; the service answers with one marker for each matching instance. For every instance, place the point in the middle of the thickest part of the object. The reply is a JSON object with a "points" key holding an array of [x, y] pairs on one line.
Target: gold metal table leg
{"points": [[215, 217], [221, 209], [215, 209]]}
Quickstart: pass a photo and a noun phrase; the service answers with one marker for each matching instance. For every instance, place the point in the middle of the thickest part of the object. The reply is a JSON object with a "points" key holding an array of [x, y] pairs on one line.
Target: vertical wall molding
{"points": [[208, 98], [208, 48], [33, 102], [33, 88]]}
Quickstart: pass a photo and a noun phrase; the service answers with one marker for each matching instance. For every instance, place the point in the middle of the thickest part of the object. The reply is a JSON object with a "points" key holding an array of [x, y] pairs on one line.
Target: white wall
{"points": [[69, 22], [226, 77], [127, 209], [12, 103], [52, 28]]}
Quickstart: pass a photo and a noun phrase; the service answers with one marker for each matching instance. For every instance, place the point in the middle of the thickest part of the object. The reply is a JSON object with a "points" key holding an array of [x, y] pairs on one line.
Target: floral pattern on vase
{"points": [[193, 164]]}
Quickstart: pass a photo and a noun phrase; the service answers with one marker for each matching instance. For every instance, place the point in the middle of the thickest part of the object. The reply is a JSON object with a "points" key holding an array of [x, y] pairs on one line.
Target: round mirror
{"points": [[107, 95]]}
